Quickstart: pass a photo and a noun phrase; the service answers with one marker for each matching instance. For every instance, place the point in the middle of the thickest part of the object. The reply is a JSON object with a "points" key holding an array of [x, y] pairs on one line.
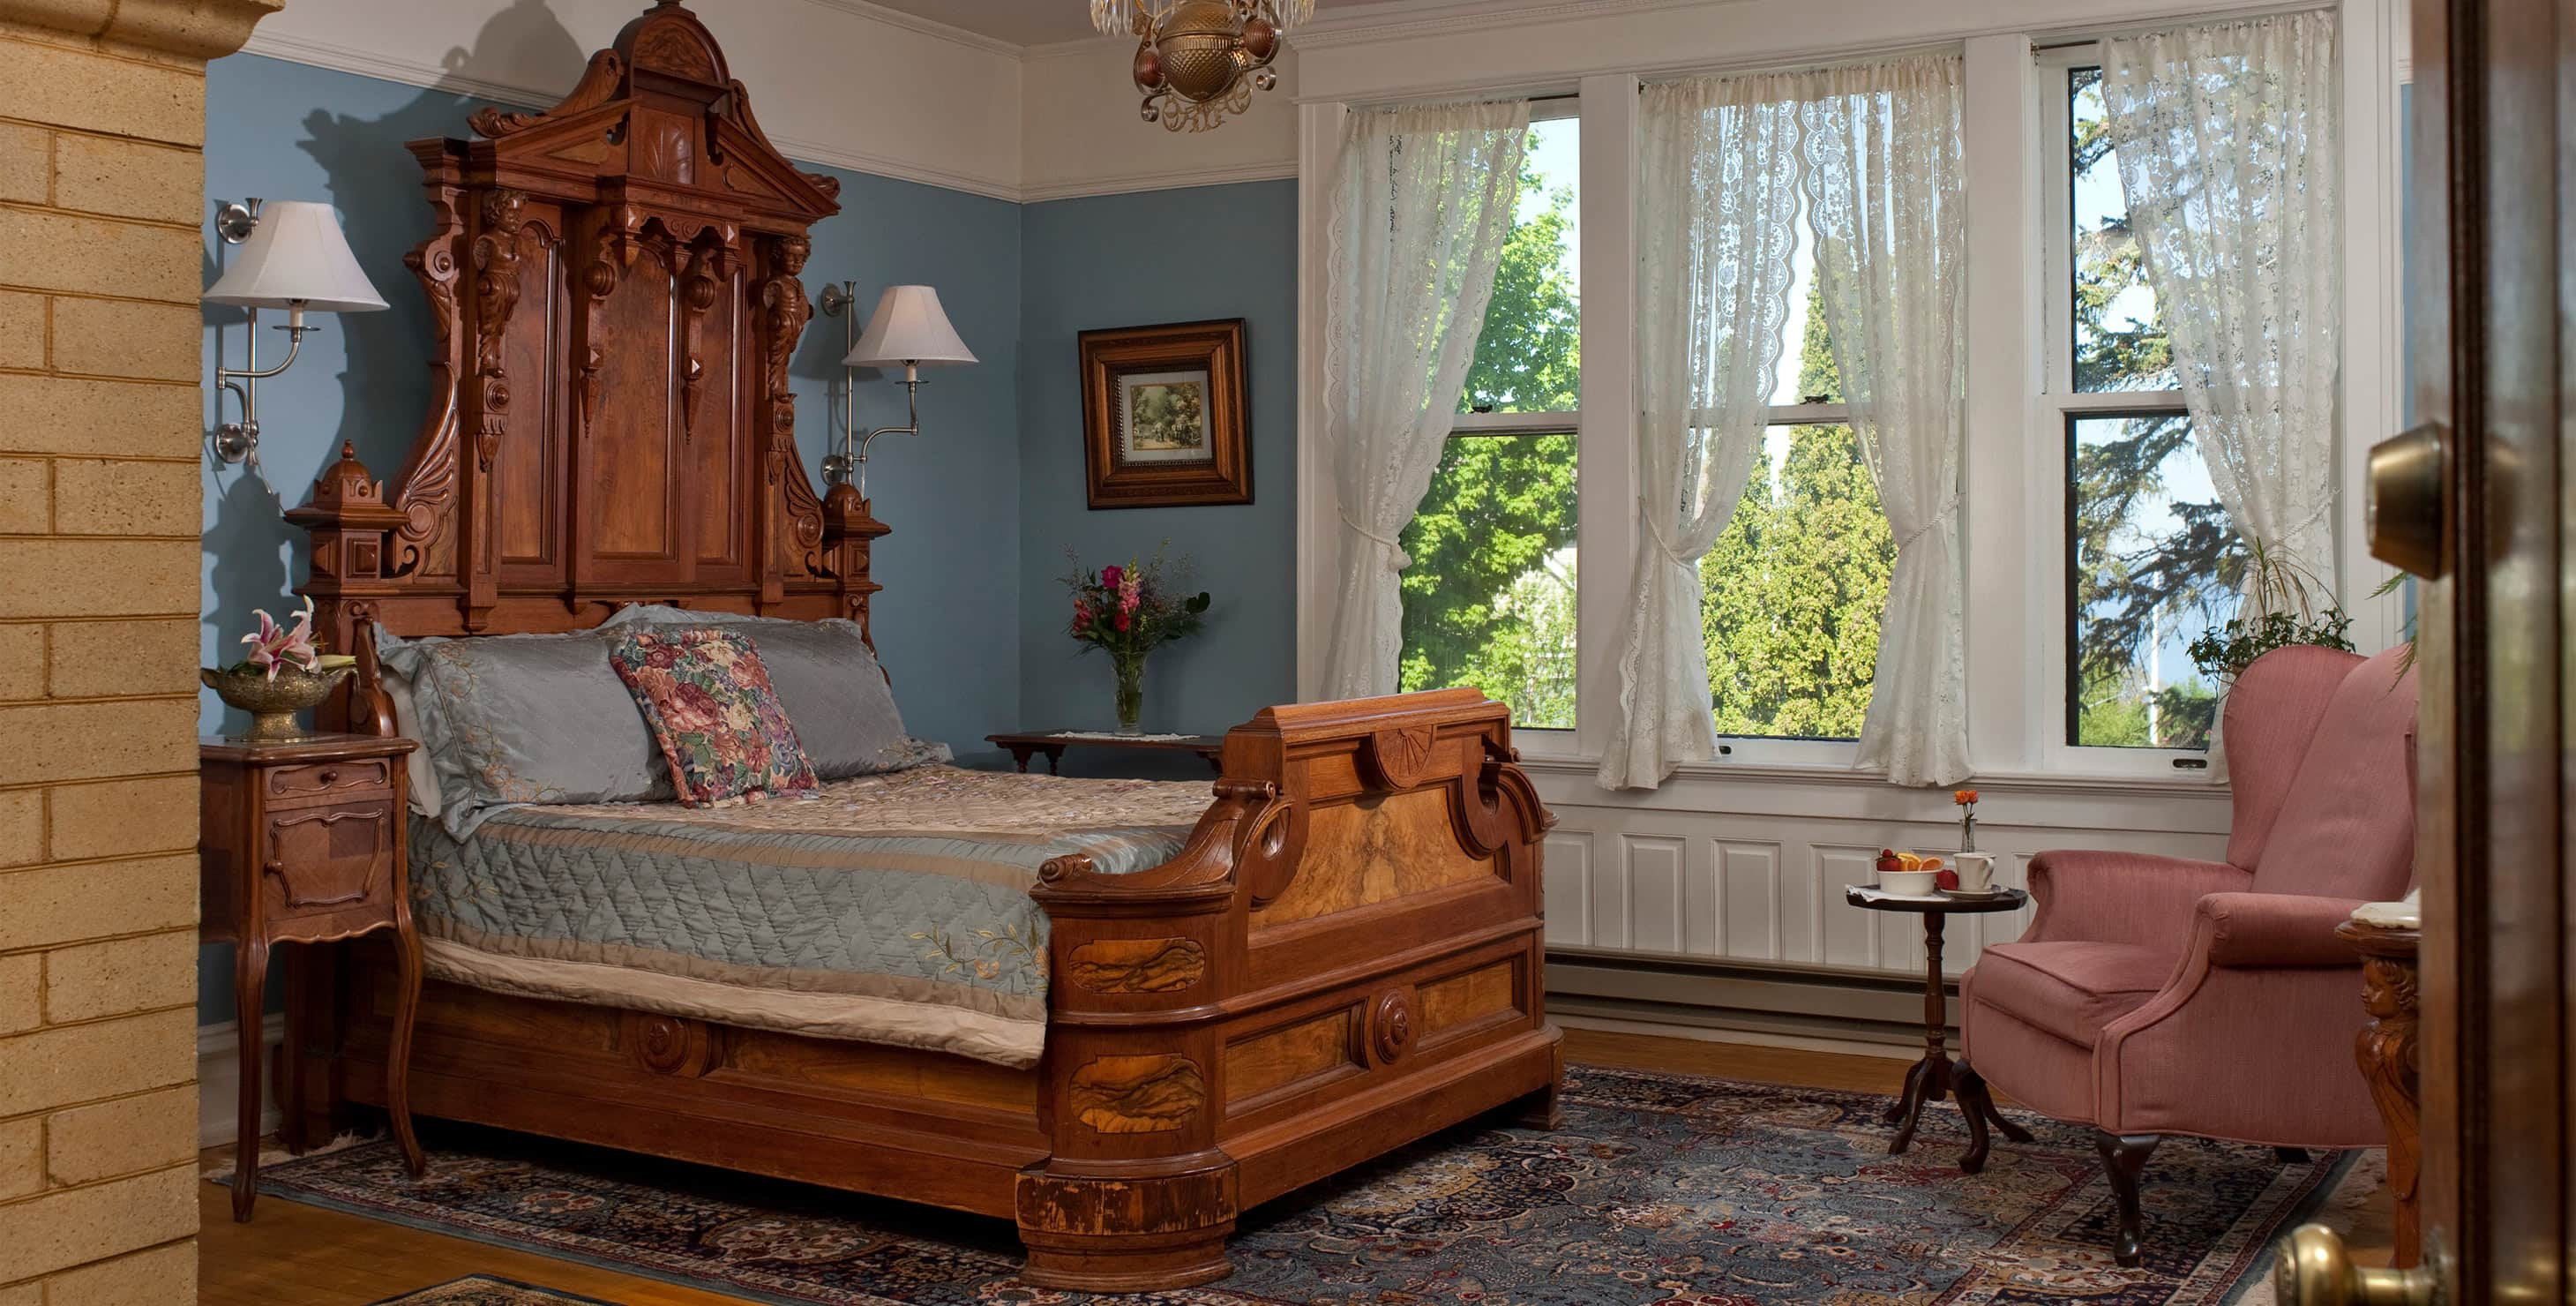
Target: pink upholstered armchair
{"points": [[2155, 995]]}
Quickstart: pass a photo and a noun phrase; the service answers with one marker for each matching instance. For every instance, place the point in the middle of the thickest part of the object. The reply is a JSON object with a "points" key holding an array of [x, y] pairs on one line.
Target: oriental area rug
{"points": [[484, 1290], [1661, 1188]]}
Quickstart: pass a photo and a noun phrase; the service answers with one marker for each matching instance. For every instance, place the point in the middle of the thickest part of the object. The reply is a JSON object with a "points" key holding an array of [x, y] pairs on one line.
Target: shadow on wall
{"points": [[363, 377], [369, 369]]}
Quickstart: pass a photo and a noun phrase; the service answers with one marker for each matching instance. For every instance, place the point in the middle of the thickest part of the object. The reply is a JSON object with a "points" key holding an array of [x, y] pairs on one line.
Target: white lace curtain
{"points": [[2228, 139], [1717, 208], [1422, 202], [1885, 194]]}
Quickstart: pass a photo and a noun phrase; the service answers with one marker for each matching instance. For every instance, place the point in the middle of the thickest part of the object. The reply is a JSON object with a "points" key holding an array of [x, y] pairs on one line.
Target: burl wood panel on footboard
{"points": [[1345, 957]]}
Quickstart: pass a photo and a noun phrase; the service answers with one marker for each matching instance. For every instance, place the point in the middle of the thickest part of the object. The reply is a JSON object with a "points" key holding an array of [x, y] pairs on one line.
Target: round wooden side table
{"points": [[1936, 1076]]}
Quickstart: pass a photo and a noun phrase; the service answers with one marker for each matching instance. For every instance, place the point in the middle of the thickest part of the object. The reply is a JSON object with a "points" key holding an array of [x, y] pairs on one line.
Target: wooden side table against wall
{"points": [[302, 842]]}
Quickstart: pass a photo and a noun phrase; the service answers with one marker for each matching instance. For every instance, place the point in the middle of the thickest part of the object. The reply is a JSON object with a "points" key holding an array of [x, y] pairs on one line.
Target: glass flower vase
{"points": [[1131, 692]]}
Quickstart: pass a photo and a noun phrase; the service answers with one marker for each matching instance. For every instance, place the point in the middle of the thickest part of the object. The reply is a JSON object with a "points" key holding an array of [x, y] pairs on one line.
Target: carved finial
{"points": [[346, 481]]}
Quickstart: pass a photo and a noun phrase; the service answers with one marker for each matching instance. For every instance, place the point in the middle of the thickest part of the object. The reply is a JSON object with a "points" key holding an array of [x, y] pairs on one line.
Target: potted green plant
{"points": [[2286, 605]]}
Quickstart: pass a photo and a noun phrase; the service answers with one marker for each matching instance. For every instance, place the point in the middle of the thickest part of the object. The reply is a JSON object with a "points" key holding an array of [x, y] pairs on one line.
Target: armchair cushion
{"points": [[2071, 989], [2276, 929], [2122, 897]]}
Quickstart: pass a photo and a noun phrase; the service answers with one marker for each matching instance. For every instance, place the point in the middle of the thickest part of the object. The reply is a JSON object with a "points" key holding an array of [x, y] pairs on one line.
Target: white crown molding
{"points": [[408, 72], [930, 27], [1388, 22], [805, 151], [1175, 179], [431, 76]]}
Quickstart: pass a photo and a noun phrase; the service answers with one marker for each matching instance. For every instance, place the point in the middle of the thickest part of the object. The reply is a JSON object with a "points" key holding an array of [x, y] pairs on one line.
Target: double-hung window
{"points": [[1793, 590], [1489, 594], [2150, 558]]}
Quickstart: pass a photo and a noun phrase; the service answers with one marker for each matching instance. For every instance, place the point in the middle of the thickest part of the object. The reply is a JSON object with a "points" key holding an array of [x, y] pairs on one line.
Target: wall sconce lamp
{"points": [[908, 328], [293, 257]]}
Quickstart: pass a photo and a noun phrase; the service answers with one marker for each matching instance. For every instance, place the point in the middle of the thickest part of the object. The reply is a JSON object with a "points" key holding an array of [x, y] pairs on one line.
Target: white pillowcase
{"points": [[424, 783]]}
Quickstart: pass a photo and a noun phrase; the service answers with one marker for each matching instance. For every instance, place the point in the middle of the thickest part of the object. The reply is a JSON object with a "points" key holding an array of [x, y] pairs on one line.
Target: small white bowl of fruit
{"points": [[1908, 875]]}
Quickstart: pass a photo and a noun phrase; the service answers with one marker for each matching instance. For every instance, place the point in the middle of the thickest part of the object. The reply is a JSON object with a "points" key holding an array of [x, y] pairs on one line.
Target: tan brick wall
{"points": [[100, 174]]}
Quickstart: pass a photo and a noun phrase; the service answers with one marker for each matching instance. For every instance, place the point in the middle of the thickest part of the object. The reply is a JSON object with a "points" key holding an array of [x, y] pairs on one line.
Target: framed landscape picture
{"points": [[1163, 415]]}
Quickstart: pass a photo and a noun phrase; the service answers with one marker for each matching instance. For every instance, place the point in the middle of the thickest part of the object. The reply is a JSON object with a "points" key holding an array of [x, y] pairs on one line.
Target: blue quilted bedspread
{"points": [[890, 908]]}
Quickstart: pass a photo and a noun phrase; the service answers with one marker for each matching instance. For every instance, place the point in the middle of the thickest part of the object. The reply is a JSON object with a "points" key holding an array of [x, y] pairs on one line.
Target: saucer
{"points": [[1993, 892]]}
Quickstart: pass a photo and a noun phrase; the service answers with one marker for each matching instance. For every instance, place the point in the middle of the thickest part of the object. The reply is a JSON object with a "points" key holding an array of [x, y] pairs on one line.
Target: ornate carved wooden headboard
{"points": [[614, 284]]}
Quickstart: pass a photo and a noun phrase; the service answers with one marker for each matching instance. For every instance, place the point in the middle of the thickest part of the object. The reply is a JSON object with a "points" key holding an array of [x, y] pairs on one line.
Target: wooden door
{"points": [[2472, 503]]}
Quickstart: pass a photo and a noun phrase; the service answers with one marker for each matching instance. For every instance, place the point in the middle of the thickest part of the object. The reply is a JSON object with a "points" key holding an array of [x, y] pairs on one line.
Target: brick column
{"points": [[102, 419]]}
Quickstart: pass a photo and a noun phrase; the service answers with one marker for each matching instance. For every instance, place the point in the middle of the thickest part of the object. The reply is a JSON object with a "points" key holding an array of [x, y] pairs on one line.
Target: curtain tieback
{"points": [[1655, 532], [1940, 517], [1402, 559]]}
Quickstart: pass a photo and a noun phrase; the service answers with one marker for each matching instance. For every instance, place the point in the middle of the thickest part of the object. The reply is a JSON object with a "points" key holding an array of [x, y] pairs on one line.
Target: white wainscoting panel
{"points": [[1750, 868], [1568, 883]]}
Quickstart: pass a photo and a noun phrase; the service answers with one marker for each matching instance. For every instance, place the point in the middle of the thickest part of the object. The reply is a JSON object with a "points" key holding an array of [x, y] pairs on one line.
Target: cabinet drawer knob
{"points": [[330, 777]]}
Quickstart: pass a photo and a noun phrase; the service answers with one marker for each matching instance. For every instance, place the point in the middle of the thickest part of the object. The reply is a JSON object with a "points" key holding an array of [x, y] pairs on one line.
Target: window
{"points": [[1794, 588], [2151, 559], [1489, 596]]}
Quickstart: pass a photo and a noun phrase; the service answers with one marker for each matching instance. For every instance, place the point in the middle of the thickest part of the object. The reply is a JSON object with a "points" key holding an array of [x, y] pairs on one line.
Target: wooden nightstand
{"points": [[303, 842]]}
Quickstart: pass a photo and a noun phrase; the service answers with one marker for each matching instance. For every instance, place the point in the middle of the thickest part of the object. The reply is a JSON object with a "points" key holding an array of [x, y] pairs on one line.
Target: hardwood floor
{"points": [[295, 1255]]}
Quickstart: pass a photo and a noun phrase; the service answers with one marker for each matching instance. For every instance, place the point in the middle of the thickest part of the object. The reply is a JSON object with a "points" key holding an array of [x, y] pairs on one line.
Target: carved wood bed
{"points": [[1345, 957]]}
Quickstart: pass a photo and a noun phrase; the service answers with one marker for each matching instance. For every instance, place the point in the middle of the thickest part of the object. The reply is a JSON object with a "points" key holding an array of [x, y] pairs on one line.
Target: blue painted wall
{"points": [[1132, 260], [948, 623], [982, 507]]}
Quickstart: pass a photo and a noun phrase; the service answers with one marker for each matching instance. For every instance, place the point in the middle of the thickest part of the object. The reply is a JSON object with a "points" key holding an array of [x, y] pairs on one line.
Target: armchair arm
{"points": [[2121, 897], [2276, 929], [2252, 1037]]}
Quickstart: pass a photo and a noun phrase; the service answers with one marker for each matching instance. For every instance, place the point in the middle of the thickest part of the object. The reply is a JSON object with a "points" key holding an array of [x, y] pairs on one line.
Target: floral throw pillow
{"points": [[715, 714]]}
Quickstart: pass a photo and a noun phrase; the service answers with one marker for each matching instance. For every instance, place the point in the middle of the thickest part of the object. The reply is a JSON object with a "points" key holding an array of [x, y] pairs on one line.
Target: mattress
{"points": [[888, 908]]}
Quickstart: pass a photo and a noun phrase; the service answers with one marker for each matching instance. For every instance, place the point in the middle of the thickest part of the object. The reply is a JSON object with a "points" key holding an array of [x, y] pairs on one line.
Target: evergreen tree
{"points": [[1793, 589], [1487, 600], [2132, 596]]}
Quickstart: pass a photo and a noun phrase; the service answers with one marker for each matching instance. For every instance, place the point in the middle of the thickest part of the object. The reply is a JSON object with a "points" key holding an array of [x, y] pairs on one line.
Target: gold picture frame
{"points": [[1163, 420]]}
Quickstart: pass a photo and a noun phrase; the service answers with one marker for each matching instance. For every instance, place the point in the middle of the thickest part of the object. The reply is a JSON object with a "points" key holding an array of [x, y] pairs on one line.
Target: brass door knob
{"points": [[2313, 1269], [2409, 474]]}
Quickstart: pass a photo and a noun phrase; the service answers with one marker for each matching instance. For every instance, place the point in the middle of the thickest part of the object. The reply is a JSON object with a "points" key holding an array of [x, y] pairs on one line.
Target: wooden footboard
{"points": [[1345, 957]]}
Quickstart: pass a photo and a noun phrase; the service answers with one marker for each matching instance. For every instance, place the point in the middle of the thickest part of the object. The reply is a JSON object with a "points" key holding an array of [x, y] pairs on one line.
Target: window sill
{"points": [[1570, 764]]}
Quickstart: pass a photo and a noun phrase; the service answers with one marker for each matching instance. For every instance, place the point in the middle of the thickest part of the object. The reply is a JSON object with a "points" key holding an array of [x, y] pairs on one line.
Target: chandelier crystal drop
{"points": [[1118, 17], [1198, 61]]}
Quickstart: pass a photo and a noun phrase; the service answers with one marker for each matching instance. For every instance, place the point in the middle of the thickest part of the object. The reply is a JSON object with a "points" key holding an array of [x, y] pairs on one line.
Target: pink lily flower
{"points": [[274, 647]]}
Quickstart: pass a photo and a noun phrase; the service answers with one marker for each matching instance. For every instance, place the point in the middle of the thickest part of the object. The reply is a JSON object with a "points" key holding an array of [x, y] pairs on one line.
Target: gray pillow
{"points": [[829, 682], [526, 719]]}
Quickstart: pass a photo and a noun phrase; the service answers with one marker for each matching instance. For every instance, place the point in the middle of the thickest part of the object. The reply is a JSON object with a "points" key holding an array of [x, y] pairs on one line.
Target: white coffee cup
{"points": [[1976, 872]]}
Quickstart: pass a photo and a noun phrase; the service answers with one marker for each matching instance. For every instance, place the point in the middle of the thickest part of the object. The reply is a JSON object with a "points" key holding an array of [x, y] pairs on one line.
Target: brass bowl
{"points": [[1196, 48], [273, 702]]}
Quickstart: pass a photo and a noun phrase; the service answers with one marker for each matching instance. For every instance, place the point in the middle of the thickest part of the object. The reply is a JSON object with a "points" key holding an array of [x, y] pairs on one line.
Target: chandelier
{"points": [[1200, 60]]}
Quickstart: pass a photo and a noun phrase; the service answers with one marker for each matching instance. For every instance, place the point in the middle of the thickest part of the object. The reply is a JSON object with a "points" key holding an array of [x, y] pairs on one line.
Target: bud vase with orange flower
{"points": [[1966, 801]]}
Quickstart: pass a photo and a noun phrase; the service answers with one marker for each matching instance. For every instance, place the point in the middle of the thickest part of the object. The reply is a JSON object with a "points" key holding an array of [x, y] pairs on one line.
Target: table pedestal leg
{"points": [[1906, 1096]]}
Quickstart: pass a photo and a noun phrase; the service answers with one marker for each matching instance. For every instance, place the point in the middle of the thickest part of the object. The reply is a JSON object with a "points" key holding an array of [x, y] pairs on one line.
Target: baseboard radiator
{"points": [[1801, 1001]]}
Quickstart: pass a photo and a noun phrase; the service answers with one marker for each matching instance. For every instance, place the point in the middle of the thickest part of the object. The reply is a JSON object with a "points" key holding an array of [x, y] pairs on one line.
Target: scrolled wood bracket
{"points": [[1271, 842], [427, 497], [496, 297], [1499, 805]]}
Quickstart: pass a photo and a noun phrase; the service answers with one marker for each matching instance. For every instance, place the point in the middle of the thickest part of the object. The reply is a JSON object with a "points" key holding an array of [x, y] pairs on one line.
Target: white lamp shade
{"points": [[908, 327], [297, 258]]}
